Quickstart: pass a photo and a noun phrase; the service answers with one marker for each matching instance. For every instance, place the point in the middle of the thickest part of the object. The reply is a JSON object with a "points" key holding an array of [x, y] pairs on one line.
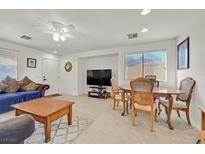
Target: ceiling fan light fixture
{"points": [[63, 38], [56, 37]]}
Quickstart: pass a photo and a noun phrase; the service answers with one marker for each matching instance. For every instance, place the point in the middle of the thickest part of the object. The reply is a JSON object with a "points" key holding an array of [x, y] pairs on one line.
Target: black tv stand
{"points": [[98, 92]]}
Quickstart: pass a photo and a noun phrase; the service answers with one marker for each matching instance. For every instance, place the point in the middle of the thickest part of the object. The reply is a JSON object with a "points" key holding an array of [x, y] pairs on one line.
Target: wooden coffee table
{"points": [[45, 110]]}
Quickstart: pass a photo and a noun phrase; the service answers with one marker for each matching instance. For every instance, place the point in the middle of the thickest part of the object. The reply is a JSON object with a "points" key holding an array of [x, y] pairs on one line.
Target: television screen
{"points": [[99, 77]]}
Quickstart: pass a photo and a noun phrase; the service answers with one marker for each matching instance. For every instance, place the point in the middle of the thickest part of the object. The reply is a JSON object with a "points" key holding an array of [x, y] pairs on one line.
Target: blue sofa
{"points": [[8, 99]]}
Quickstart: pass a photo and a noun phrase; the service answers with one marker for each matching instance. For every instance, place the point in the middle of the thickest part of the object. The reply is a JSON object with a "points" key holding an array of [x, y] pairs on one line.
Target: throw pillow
{"points": [[7, 78], [25, 81], [3, 86], [30, 87], [12, 85]]}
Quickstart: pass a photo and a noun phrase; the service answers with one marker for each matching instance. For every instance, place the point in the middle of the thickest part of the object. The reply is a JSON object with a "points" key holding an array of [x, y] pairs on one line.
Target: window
{"points": [[146, 63], [8, 64]]}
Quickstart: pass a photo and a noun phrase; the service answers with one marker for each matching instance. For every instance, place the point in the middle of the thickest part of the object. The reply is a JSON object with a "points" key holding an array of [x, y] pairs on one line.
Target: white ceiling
{"points": [[95, 29]]}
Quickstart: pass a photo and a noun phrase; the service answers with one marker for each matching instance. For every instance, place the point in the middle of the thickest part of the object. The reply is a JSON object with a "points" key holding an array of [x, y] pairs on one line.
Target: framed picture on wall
{"points": [[31, 62], [183, 55]]}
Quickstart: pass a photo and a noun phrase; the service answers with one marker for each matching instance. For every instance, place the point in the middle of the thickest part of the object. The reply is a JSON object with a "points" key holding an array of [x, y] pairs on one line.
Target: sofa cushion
{"points": [[29, 95], [8, 99]]}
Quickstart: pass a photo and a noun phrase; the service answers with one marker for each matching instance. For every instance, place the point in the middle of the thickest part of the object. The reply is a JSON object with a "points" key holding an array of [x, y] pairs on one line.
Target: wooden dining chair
{"points": [[182, 100], [117, 94], [142, 99], [153, 78]]}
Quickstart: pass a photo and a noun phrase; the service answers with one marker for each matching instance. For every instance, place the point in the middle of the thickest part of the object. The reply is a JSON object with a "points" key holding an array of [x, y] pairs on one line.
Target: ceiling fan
{"points": [[61, 31], [56, 26]]}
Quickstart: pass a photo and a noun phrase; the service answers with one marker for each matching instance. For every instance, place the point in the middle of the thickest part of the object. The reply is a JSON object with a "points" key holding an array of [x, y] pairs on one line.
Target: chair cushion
{"points": [[119, 96], [145, 107], [177, 104]]}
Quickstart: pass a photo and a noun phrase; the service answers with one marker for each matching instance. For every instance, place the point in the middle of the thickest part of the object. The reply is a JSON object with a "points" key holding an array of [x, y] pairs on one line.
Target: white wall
{"points": [[70, 80], [196, 71], [23, 53], [81, 76], [92, 63]]}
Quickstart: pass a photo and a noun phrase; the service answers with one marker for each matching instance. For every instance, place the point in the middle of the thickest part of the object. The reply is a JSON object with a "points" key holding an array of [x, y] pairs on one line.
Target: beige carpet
{"points": [[109, 126], [61, 133]]}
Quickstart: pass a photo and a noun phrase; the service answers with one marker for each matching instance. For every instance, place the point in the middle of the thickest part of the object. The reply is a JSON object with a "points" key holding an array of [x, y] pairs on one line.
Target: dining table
{"points": [[166, 92]]}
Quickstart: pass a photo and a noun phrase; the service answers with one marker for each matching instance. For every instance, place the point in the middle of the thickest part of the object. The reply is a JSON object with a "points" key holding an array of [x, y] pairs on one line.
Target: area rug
{"points": [[61, 133]]}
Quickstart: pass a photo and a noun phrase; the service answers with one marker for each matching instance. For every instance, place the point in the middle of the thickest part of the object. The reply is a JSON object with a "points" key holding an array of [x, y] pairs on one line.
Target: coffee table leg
{"points": [[16, 112], [47, 129], [70, 116]]}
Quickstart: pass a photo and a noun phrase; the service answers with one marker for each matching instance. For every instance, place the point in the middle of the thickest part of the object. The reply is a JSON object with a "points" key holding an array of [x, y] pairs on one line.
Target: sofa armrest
{"points": [[17, 129], [42, 88]]}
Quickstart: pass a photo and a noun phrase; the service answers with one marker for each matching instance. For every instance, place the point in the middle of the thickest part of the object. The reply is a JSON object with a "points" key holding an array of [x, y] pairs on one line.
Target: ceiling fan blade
{"points": [[70, 27], [48, 32], [69, 36]]}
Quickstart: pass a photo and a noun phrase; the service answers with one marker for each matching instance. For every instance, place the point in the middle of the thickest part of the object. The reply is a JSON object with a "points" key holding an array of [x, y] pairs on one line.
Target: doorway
{"points": [[50, 75]]}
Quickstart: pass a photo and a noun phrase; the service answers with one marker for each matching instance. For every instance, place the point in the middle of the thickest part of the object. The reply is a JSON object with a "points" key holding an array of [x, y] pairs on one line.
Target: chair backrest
{"points": [[186, 85], [114, 85], [153, 78], [142, 91]]}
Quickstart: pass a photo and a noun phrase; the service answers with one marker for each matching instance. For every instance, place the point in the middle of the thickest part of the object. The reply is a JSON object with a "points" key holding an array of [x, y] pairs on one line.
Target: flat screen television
{"points": [[99, 77]]}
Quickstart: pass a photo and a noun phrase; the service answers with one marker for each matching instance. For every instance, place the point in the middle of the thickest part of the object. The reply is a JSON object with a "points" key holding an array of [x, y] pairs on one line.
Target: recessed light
{"points": [[55, 51], [144, 30], [145, 12]]}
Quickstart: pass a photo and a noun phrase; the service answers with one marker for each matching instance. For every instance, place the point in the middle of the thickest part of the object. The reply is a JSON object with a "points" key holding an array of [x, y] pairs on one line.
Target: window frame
{"points": [[142, 52], [17, 59]]}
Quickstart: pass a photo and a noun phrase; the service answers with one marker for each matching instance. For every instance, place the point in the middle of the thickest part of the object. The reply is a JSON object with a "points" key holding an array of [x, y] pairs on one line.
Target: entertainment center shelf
{"points": [[98, 92], [99, 88]]}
